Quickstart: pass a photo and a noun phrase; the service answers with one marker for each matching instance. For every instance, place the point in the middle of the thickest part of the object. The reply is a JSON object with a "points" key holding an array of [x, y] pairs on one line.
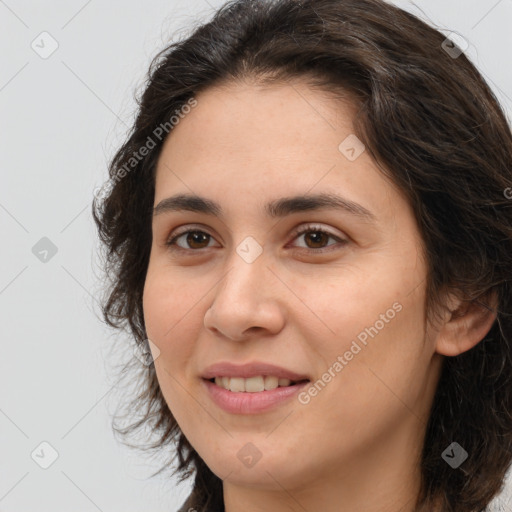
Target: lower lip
{"points": [[250, 403]]}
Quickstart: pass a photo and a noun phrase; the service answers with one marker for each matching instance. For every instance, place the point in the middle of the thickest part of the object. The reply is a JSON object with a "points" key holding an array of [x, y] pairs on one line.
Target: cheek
{"points": [[376, 367], [358, 304], [165, 317], [166, 307], [374, 322]]}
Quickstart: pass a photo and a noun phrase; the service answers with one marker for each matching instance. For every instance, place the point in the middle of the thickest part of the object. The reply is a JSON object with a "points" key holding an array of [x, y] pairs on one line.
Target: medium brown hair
{"points": [[431, 122]]}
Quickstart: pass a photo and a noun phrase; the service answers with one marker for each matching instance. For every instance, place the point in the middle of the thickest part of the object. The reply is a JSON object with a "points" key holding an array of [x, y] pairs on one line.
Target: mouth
{"points": [[252, 395], [256, 384]]}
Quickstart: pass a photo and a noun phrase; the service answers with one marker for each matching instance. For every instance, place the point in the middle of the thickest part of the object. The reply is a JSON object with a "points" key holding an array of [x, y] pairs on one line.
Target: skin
{"points": [[356, 445]]}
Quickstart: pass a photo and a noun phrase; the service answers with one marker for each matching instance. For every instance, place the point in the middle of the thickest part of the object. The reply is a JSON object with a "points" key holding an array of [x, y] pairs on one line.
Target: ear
{"points": [[466, 323]]}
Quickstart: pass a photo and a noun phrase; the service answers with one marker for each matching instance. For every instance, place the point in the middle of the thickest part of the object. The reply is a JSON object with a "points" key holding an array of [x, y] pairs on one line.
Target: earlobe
{"points": [[466, 324]]}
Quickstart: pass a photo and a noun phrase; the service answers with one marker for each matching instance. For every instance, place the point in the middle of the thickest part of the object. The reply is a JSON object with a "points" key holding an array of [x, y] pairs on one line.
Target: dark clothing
{"points": [[188, 506]]}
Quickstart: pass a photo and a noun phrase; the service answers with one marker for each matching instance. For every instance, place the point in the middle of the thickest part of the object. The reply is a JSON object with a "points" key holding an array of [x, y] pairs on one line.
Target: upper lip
{"points": [[254, 369]]}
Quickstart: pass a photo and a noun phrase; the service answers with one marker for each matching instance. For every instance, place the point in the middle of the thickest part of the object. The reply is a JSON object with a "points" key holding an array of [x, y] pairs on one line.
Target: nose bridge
{"points": [[244, 298], [247, 271]]}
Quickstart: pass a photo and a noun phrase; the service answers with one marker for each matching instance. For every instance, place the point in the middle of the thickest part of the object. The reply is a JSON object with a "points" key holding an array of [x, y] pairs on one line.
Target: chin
{"points": [[268, 469]]}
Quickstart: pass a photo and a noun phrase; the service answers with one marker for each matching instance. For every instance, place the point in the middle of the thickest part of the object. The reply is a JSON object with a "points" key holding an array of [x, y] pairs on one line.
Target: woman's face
{"points": [[344, 309]]}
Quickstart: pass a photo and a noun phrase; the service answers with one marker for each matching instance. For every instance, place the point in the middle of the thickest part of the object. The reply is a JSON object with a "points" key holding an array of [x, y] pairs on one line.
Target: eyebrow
{"points": [[274, 209]]}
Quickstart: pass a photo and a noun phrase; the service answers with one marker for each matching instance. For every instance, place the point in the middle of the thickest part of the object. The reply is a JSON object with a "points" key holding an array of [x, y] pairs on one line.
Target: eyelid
{"points": [[315, 227]]}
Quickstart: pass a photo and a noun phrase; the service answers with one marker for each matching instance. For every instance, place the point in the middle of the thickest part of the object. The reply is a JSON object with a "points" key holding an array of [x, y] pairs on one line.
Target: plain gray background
{"points": [[61, 119]]}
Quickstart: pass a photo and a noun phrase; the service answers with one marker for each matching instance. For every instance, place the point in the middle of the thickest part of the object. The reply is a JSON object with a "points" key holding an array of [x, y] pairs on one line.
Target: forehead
{"points": [[269, 120], [245, 142]]}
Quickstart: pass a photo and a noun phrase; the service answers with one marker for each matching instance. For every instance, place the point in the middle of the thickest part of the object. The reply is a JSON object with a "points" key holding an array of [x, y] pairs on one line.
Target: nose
{"points": [[246, 302]]}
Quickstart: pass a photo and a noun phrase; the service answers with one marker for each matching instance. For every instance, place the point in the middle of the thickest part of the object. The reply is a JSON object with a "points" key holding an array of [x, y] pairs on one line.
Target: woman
{"points": [[309, 229]]}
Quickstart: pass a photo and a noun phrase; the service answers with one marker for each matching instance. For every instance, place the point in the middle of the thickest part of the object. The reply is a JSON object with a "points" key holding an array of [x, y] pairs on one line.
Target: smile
{"points": [[252, 384], [251, 402]]}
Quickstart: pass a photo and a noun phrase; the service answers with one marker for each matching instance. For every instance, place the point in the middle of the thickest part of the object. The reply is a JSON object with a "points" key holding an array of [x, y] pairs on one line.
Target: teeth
{"points": [[236, 384], [252, 384], [271, 382]]}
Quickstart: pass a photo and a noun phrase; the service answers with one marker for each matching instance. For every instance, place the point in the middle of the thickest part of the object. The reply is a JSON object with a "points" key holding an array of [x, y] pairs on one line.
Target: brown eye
{"points": [[194, 238], [316, 238]]}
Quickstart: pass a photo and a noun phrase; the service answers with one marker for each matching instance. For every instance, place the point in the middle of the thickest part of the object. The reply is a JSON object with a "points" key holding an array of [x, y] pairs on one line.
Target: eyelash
{"points": [[171, 243]]}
